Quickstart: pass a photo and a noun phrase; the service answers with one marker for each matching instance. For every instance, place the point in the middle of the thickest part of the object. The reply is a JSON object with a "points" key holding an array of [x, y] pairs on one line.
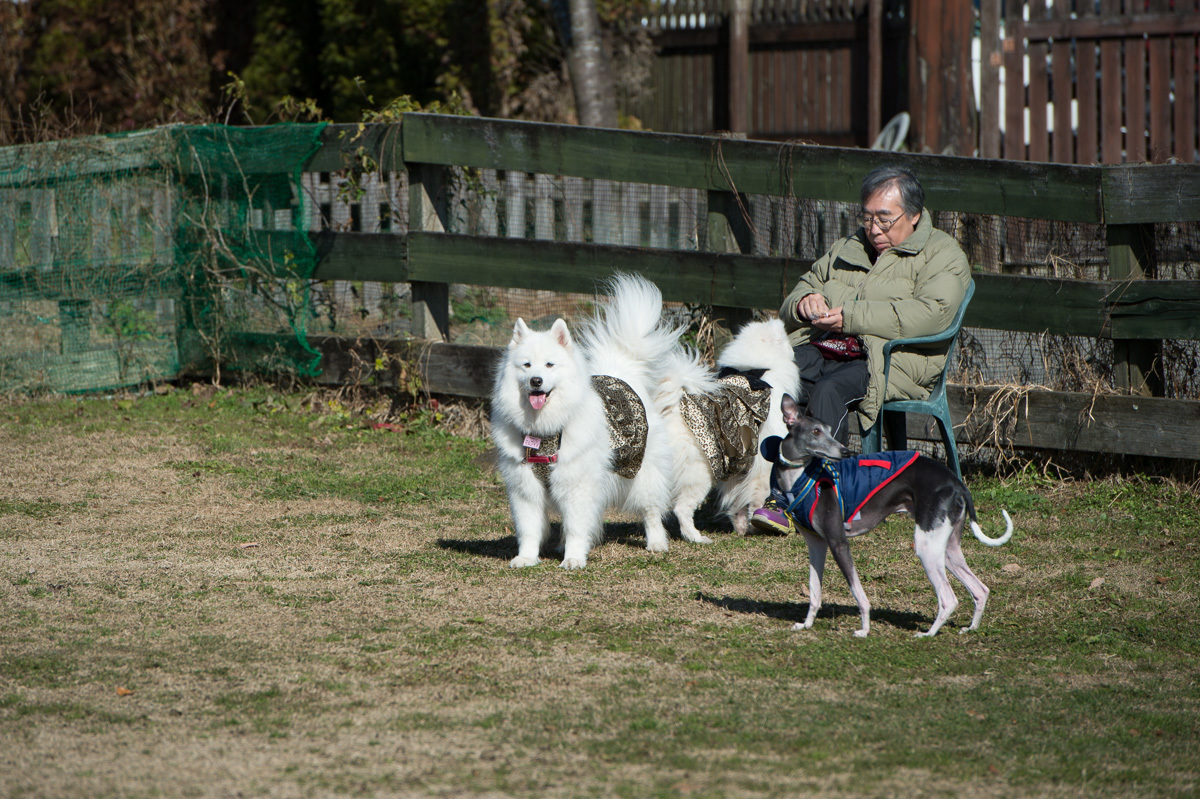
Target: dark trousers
{"points": [[831, 387]]}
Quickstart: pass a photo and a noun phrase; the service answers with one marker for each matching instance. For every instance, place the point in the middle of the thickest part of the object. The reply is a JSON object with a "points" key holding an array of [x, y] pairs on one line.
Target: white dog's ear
{"points": [[791, 411], [520, 330], [561, 334]]}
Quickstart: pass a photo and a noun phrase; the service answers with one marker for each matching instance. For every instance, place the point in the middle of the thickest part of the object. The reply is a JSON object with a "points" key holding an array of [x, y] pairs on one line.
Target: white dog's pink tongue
{"points": [[537, 401]]}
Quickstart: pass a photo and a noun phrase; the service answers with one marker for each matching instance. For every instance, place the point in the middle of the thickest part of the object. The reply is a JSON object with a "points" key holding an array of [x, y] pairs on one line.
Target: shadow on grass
{"points": [[628, 534], [500, 548], [797, 611]]}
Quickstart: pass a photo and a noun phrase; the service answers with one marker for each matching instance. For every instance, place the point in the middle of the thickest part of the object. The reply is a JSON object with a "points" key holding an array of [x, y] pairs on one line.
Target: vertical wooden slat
{"points": [[784, 108], [514, 194], [1062, 87], [43, 229], [1160, 89], [573, 196], [707, 88], [543, 204], [874, 69], [659, 215], [739, 64], [631, 195], [841, 90], [666, 96], [826, 92], [604, 219], [1086, 139], [1014, 84], [489, 220], [1112, 143], [989, 78], [808, 88], [1135, 97], [1186, 48], [1039, 89]]}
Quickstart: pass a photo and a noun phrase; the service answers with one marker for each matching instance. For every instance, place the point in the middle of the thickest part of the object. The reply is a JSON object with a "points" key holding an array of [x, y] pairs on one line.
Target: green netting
{"points": [[243, 247], [125, 259]]}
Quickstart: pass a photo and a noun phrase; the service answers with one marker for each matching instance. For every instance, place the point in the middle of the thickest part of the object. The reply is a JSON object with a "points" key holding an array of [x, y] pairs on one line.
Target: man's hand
{"points": [[812, 307], [832, 320]]}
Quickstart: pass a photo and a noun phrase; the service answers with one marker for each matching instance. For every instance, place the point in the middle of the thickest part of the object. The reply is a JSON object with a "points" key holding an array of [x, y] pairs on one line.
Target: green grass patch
{"points": [[309, 606]]}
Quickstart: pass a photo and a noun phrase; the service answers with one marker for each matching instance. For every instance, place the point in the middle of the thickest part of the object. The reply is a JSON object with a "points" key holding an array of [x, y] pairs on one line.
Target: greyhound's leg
{"points": [[931, 549], [817, 548], [841, 554], [959, 568]]}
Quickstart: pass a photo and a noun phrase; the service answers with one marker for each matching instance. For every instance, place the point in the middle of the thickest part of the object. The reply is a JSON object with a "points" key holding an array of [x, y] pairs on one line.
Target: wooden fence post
{"points": [[427, 211], [1137, 363], [739, 66]]}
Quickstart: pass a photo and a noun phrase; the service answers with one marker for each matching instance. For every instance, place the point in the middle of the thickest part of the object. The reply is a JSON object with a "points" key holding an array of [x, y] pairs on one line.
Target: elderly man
{"points": [[895, 277]]}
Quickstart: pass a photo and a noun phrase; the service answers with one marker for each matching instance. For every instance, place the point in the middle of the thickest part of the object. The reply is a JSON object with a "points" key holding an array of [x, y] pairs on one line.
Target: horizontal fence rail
{"points": [[437, 201]]}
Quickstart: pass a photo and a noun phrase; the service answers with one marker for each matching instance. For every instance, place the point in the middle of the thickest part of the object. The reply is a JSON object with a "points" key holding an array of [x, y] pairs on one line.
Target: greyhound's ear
{"points": [[520, 331], [791, 411], [562, 335]]}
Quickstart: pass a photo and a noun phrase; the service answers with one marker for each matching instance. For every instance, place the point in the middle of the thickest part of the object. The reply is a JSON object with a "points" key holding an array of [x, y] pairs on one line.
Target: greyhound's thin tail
{"points": [[993, 542]]}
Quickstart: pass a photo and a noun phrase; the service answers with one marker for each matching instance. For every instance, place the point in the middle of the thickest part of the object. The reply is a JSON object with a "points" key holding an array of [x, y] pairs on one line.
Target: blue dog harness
{"points": [[853, 480]]}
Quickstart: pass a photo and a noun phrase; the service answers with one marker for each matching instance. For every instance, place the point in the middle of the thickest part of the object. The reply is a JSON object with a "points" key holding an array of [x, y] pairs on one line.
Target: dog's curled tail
{"points": [[683, 371], [994, 542], [631, 322]]}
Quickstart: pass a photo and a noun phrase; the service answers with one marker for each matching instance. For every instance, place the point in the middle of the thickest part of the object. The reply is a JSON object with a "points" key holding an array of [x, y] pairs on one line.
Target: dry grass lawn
{"points": [[240, 594]]}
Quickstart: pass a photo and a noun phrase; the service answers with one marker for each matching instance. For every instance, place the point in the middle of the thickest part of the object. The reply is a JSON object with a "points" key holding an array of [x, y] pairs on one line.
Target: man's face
{"points": [[884, 205]]}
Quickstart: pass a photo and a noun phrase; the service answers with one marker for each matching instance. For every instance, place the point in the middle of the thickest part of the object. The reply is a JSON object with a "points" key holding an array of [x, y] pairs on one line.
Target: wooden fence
{"points": [[1085, 83], [401, 229], [1125, 200], [1102, 81], [790, 70]]}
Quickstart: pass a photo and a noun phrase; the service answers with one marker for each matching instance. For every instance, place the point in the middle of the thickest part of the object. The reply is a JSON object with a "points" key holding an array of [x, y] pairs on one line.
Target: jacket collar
{"points": [[910, 246]]}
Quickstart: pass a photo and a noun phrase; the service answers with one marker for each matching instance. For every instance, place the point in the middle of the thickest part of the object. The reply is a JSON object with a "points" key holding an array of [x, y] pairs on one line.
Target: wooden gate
{"points": [[1081, 81]]}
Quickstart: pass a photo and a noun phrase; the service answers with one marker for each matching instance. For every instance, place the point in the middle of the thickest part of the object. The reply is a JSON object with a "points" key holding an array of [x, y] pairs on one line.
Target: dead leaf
{"points": [[1011, 568], [1162, 580], [123, 691], [1099, 581], [248, 545]]}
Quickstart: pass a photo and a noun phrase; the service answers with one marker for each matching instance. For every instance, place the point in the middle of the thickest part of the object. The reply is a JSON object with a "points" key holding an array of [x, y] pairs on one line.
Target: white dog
{"points": [[717, 420], [576, 430]]}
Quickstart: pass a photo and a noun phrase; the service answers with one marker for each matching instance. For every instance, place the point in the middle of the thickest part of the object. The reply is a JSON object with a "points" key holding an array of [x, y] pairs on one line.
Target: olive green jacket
{"points": [[912, 290]]}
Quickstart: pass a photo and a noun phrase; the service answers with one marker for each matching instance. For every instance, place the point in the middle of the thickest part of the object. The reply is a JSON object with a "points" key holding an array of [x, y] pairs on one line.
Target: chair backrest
{"points": [[955, 326]]}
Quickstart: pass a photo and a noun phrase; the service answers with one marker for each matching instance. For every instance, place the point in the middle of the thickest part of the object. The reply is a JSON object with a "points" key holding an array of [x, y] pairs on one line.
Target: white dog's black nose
{"points": [[536, 382]]}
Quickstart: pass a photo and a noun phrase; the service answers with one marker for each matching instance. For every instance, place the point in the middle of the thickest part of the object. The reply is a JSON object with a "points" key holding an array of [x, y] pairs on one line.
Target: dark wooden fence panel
{"points": [[808, 70], [1117, 84]]}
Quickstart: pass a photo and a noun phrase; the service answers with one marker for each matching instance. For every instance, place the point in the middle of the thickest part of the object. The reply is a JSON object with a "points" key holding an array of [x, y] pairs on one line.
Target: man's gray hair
{"points": [[912, 195]]}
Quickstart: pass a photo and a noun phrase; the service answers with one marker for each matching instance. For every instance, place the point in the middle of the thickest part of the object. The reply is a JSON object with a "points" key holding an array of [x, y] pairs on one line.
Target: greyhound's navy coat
{"points": [[855, 480]]}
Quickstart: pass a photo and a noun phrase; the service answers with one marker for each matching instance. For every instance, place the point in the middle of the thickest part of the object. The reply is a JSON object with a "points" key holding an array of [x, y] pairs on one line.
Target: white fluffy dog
{"points": [[757, 347], [575, 426]]}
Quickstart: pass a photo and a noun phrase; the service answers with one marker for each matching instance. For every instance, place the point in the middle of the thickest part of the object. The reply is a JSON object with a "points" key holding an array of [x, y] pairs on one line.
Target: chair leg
{"points": [[896, 424], [872, 439], [947, 430]]}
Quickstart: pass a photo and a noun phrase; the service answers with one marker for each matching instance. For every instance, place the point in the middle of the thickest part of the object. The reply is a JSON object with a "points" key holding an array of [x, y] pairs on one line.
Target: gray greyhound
{"points": [[817, 501]]}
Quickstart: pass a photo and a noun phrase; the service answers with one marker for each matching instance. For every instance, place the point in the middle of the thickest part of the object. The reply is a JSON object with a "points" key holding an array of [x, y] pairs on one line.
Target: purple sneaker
{"points": [[770, 519]]}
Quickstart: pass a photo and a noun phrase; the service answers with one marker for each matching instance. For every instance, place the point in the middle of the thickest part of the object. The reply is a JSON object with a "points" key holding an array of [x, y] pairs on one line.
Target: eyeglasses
{"points": [[884, 224]]}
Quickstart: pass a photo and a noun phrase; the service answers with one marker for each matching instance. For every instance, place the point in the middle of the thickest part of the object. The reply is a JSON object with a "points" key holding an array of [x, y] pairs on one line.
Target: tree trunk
{"points": [[588, 62]]}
